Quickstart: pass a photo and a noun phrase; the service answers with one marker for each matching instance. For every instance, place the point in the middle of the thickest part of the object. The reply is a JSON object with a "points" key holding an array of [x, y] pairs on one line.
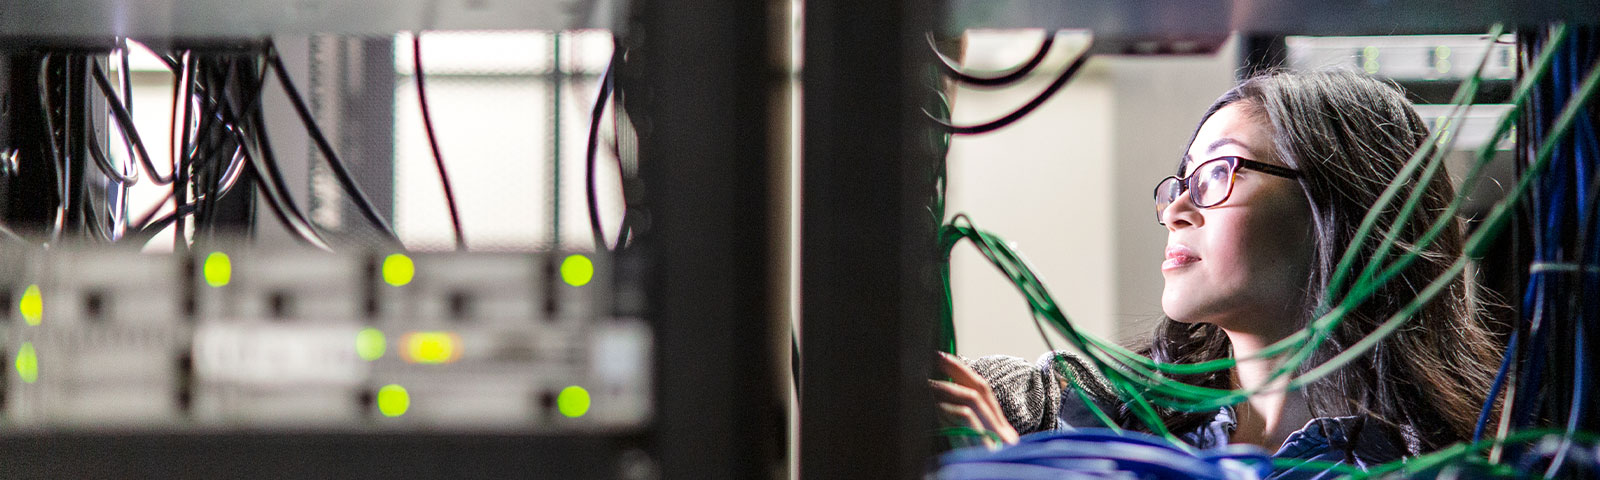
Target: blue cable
{"points": [[1494, 391], [1544, 251], [1583, 142], [1102, 453]]}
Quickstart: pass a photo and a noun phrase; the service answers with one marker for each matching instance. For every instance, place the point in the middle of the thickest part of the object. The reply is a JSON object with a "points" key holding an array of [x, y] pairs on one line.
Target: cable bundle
{"points": [[221, 138], [1096, 453], [1548, 368]]}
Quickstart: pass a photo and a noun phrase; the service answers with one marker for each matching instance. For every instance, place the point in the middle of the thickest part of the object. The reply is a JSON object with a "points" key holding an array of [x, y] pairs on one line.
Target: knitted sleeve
{"points": [[1036, 397]]}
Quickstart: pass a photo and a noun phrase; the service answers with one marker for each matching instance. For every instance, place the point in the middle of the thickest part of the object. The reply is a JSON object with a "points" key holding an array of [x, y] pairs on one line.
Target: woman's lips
{"points": [[1179, 256]]}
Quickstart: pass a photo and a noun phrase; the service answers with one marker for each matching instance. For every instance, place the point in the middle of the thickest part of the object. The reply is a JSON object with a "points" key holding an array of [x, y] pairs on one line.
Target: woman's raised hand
{"points": [[967, 401]]}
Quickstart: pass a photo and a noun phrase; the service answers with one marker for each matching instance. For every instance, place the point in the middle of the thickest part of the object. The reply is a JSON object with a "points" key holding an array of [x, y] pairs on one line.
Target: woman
{"points": [[1270, 192]]}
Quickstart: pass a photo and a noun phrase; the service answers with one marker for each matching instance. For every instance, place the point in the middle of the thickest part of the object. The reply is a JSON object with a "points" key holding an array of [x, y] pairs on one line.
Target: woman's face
{"points": [[1241, 265]]}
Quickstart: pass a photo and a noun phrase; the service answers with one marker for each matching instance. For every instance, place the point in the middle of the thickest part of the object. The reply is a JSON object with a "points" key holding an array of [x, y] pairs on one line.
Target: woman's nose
{"points": [[1181, 213]]}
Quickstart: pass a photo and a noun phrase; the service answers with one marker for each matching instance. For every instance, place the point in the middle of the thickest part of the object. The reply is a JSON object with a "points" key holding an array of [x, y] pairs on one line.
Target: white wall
{"points": [[492, 115], [1070, 186]]}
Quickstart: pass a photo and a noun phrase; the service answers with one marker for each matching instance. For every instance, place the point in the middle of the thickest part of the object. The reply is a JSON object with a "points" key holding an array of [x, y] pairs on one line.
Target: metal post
{"points": [[697, 77], [868, 261]]}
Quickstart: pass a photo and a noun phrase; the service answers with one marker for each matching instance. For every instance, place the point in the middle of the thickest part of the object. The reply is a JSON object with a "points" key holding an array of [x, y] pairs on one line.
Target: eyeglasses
{"points": [[1210, 183]]}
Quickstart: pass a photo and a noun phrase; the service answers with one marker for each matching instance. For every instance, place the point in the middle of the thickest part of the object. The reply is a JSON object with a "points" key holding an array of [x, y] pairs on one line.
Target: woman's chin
{"points": [[1182, 309], [1174, 306]]}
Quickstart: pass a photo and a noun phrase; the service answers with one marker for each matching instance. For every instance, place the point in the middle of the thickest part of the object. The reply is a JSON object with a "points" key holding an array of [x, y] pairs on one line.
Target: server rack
{"points": [[867, 254]]}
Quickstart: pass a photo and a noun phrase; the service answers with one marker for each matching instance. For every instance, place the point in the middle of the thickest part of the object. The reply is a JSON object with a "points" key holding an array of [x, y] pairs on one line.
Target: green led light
{"points": [[398, 269], [577, 270], [27, 363], [431, 347], [1443, 124], [1369, 59], [573, 401], [370, 344], [32, 305], [393, 401], [218, 269]]}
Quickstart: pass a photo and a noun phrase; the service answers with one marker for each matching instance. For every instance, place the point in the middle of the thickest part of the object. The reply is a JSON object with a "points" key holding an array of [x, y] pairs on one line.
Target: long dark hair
{"points": [[1349, 135]]}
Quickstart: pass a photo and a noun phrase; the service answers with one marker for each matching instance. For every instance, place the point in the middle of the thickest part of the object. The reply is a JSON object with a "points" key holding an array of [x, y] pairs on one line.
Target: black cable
{"points": [[127, 95], [219, 148], [1055, 85], [266, 165], [144, 219], [589, 163], [623, 136], [270, 179], [92, 223], [310, 123], [119, 180], [180, 94], [258, 154], [148, 228], [227, 167], [173, 63], [229, 89], [152, 227], [235, 169], [625, 233], [127, 76], [433, 140], [1000, 79], [59, 163], [181, 159], [206, 139], [283, 205], [104, 163], [794, 359], [71, 109], [125, 122], [623, 141]]}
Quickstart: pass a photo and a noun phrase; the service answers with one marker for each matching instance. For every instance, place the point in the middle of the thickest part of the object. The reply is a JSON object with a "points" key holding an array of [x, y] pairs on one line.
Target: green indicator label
{"points": [[573, 401], [393, 401], [398, 269], [27, 363], [577, 270], [218, 269], [370, 344], [32, 305]]}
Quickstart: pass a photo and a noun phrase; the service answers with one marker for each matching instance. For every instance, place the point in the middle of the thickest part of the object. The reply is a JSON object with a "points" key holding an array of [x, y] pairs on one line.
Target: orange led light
{"points": [[430, 347]]}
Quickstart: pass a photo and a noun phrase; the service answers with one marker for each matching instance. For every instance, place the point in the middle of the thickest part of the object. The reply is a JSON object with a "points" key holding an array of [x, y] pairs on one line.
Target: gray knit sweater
{"points": [[1031, 394]]}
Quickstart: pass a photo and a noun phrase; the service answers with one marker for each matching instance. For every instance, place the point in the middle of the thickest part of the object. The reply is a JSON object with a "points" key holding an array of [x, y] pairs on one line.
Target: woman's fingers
{"points": [[987, 413], [947, 392], [959, 416], [963, 375], [978, 395]]}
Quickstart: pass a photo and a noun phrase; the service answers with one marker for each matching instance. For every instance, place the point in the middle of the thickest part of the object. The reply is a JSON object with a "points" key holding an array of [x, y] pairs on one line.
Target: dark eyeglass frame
{"points": [[1234, 164]]}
